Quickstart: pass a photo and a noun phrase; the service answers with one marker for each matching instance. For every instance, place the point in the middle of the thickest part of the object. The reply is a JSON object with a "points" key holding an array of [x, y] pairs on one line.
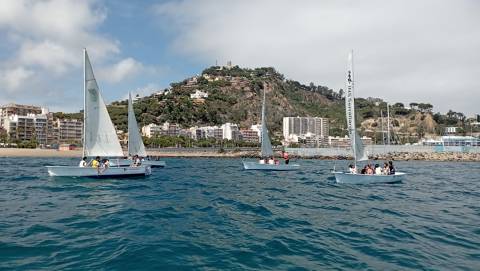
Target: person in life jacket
{"points": [[96, 162], [285, 156]]}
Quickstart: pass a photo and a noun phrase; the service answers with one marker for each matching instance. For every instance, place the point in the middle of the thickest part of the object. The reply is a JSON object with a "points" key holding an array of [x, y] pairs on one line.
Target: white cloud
{"points": [[12, 79], [49, 36], [47, 54], [122, 70], [425, 51], [143, 91]]}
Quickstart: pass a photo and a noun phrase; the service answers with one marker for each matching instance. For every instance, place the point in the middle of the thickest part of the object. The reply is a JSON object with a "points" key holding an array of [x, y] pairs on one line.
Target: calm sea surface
{"points": [[210, 214]]}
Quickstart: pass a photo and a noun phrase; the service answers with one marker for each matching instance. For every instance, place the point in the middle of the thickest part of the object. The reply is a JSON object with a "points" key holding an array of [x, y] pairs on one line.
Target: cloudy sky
{"points": [[405, 51]]}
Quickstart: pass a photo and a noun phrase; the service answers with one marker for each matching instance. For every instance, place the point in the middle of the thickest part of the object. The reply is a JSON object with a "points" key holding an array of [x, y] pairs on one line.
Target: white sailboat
{"points": [[356, 142], [266, 150], [135, 142], [99, 136]]}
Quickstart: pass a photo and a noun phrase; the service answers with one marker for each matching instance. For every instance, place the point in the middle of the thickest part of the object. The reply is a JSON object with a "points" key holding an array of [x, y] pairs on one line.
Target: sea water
{"points": [[210, 214]]}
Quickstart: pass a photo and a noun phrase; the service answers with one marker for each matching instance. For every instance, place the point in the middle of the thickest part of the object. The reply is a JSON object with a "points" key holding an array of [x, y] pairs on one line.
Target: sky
{"points": [[404, 51]]}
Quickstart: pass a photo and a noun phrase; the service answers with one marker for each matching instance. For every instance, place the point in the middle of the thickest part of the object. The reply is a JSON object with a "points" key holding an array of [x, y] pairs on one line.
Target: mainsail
{"points": [[266, 144], [100, 138], [135, 142], [357, 145]]}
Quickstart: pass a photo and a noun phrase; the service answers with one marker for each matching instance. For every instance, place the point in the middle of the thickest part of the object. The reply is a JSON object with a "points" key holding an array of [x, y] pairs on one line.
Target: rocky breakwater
{"points": [[430, 156]]}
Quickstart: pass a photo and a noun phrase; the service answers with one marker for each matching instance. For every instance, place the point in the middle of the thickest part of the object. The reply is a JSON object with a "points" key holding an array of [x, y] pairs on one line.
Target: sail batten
{"points": [[100, 138], [266, 144], [355, 140], [135, 142]]}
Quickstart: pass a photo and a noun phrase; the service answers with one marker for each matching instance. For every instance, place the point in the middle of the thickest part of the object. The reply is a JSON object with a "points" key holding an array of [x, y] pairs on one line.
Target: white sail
{"points": [[135, 142], [100, 138], [357, 145], [266, 144]]}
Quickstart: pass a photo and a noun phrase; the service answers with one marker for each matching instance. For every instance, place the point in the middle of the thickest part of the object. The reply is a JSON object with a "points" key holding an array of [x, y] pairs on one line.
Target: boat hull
{"points": [[281, 167], [128, 162], [349, 178], [72, 171]]}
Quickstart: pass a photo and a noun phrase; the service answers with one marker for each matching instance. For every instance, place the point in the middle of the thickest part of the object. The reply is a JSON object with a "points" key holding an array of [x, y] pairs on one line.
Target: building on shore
{"points": [[250, 135], [166, 129], [231, 131], [33, 123], [344, 142], [452, 141], [69, 130], [312, 131], [151, 130], [19, 110]]}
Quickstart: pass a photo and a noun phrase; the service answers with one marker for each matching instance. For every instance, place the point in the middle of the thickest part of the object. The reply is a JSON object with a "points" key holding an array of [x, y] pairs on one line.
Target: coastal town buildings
{"points": [[250, 135], [33, 123], [151, 130], [344, 142], [167, 129], [69, 130], [198, 94], [313, 131], [19, 110], [451, 130], [230, 131]]}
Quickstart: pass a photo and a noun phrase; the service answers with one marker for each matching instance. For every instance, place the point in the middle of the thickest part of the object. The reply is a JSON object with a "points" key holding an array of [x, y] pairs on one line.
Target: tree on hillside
{"points": [[399, 105], [425, 107], [341, 93], [413, 106]]}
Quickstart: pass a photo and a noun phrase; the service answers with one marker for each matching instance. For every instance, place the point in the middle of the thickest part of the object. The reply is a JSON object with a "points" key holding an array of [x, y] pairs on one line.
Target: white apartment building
{"points": [[25, 128], [69, 130], [313, 129], [199, 95], [151, 130], [168, 129], [230, 131]]}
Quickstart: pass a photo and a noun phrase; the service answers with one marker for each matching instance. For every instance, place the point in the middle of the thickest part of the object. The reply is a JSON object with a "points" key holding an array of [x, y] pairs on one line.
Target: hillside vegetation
{"points": [[235, 94]]}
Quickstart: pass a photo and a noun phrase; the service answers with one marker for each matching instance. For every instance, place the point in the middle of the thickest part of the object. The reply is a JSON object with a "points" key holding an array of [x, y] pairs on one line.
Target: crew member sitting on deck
{"points": [[83, 163], [385, 169], [378, 169], [96, 162], [369, 170], [136, 161], [106, 163], [352, 169], [285, 156], [391, 168], [271, 161]]}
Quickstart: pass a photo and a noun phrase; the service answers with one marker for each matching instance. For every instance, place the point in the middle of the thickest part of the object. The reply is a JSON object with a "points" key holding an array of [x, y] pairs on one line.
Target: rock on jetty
{"points": [[430, 156]]}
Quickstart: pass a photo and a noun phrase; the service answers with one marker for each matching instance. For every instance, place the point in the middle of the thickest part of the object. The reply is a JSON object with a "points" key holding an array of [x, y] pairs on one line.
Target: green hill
{"points": [[234, 95]]}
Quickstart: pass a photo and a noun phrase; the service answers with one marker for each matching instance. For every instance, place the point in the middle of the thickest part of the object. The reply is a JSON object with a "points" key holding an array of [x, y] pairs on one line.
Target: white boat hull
{"points": [[280, 167], [73, 171], [349, 178], [128, 162]]}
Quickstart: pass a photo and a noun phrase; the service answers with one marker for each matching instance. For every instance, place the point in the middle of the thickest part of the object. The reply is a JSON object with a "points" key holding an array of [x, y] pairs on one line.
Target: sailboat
{"points": [[266, 149], [99, 136], [135, 142], [359, 153]]}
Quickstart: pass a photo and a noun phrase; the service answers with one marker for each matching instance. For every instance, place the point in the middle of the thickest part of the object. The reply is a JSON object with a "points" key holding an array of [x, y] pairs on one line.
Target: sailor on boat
{"points": [[83, 163], [285, 157], [96, 162], [352, 169]]}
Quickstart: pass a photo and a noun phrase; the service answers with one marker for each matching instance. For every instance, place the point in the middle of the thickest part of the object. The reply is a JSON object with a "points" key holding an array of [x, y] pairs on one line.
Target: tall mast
{"points": [[383, 130], [388, 124], [350, 105], [84, 100]]}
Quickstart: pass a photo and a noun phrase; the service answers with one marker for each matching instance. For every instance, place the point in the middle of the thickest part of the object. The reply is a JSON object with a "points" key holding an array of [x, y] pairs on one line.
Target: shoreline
{"points": [[397, 156]]}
